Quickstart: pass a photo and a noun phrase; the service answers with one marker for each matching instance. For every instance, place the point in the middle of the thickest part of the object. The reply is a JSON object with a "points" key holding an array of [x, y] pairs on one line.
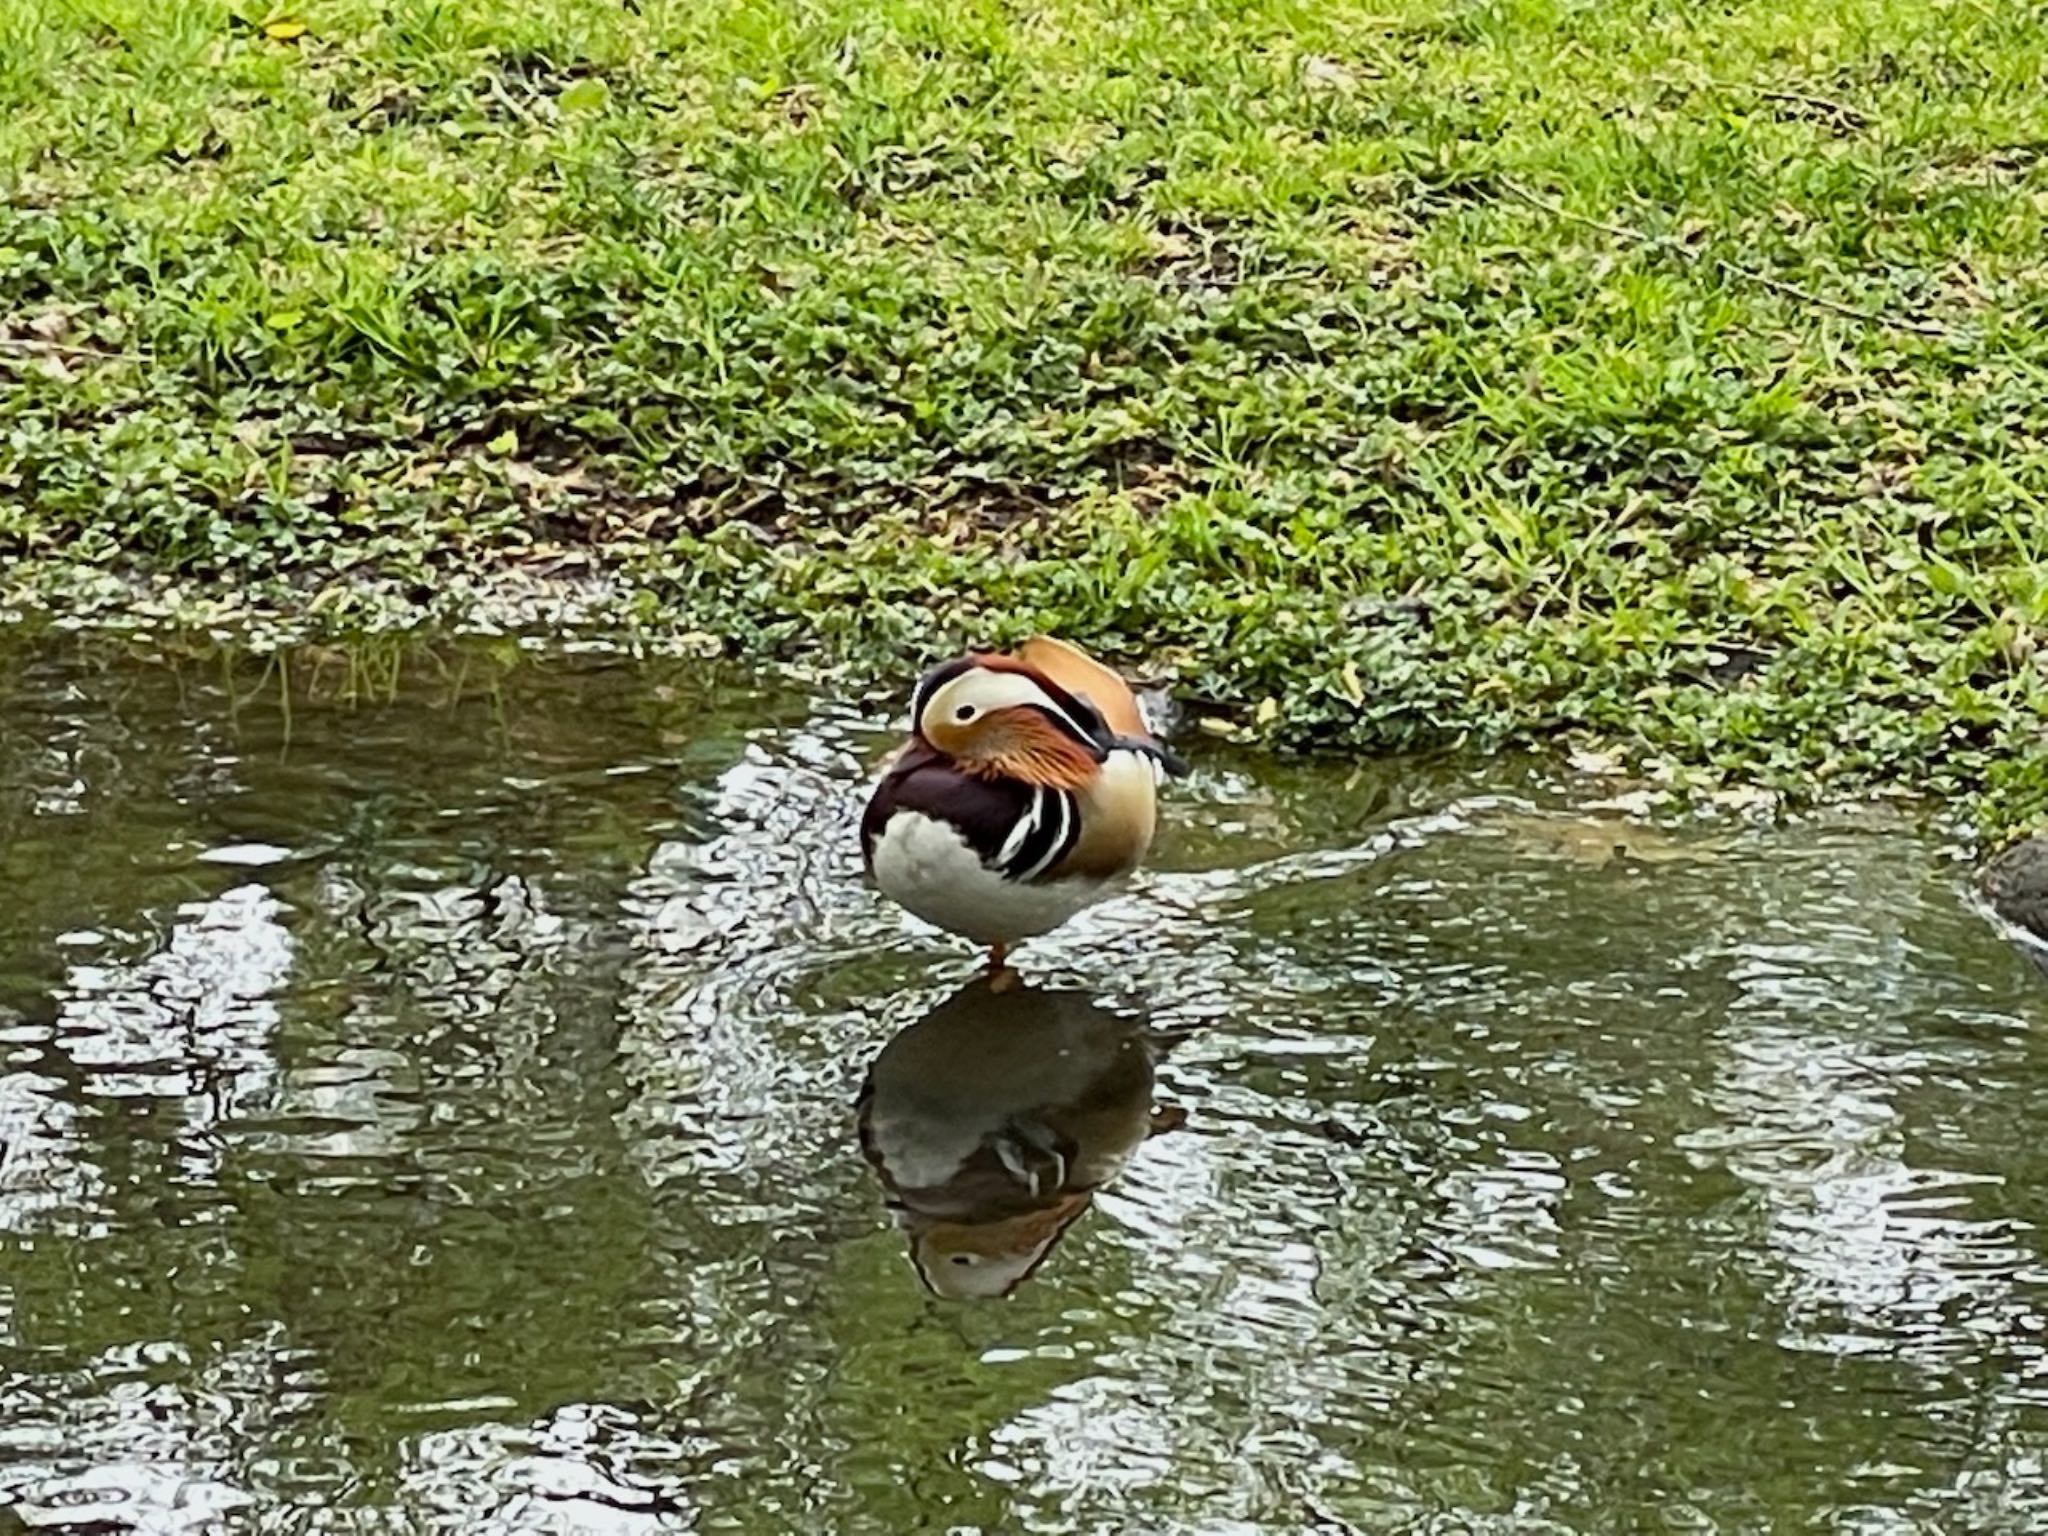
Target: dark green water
{"points": [[431, 1098]]}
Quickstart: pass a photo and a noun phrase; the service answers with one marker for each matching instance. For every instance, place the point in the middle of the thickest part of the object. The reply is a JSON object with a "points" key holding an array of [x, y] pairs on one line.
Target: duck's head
{"points": [[999, 716], [984, 1261], [993, 716]]}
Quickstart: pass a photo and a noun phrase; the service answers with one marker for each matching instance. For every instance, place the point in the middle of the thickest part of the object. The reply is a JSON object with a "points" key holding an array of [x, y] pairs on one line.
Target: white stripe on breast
{"points": [[1021, 833], [1063, 811]]}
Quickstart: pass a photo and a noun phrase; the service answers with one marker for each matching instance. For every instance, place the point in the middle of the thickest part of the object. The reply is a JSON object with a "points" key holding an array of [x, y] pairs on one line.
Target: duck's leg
{"points": [[1000, 977]]}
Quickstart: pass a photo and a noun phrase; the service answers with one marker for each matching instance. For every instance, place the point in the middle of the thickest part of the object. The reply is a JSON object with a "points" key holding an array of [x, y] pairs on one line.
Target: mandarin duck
{"points": [[992, 1121], [1025, 793]]}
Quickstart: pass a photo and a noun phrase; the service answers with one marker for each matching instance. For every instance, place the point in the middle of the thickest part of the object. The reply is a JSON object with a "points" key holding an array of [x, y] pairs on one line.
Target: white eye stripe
{"points": [[988, 692], [1045, 702]]}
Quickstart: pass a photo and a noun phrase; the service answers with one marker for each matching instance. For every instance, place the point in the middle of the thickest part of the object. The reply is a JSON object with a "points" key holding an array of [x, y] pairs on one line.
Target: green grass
{"points": [[1665, 376]]}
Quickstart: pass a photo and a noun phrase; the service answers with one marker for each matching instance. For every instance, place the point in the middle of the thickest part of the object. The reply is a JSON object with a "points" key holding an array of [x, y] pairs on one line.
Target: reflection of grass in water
{"points": [[1657, 373], [499, 1266]]}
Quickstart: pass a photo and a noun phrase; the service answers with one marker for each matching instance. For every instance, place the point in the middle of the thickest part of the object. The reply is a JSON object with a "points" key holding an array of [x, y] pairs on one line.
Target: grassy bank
{"points": [[1664, 376]]}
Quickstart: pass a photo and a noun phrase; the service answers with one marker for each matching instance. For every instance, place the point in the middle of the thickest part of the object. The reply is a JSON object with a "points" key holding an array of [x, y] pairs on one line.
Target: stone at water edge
{"points": [[2016, 884]]}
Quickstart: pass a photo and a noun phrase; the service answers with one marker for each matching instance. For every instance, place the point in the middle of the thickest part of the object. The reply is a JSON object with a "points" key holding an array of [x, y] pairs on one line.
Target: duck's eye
{"points": [[961, 1258], [964, 713]]}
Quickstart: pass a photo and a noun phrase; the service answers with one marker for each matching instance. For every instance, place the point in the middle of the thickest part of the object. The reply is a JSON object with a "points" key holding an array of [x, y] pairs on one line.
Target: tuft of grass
{"points": [[1659, 376]]}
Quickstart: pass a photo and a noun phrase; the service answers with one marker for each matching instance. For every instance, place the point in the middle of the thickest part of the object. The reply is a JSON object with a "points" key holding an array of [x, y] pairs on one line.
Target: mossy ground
{"points": [[1397, 373]]}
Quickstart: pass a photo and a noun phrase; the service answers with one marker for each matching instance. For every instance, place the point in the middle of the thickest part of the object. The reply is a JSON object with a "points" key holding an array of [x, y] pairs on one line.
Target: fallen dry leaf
{"points": [[531, 477], [1322, 74]]}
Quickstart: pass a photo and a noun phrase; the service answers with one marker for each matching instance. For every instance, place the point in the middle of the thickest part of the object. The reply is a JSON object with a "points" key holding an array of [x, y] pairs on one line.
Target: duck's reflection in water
{"points": [[994, 1119]]}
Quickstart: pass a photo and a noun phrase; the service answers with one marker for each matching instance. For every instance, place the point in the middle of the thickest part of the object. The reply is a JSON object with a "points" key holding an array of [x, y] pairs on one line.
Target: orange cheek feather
{"points": [[1020, 744]]}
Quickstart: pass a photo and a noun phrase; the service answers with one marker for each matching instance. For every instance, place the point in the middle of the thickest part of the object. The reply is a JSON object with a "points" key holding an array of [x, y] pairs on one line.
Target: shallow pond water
{"points": [[468, 1088]]}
